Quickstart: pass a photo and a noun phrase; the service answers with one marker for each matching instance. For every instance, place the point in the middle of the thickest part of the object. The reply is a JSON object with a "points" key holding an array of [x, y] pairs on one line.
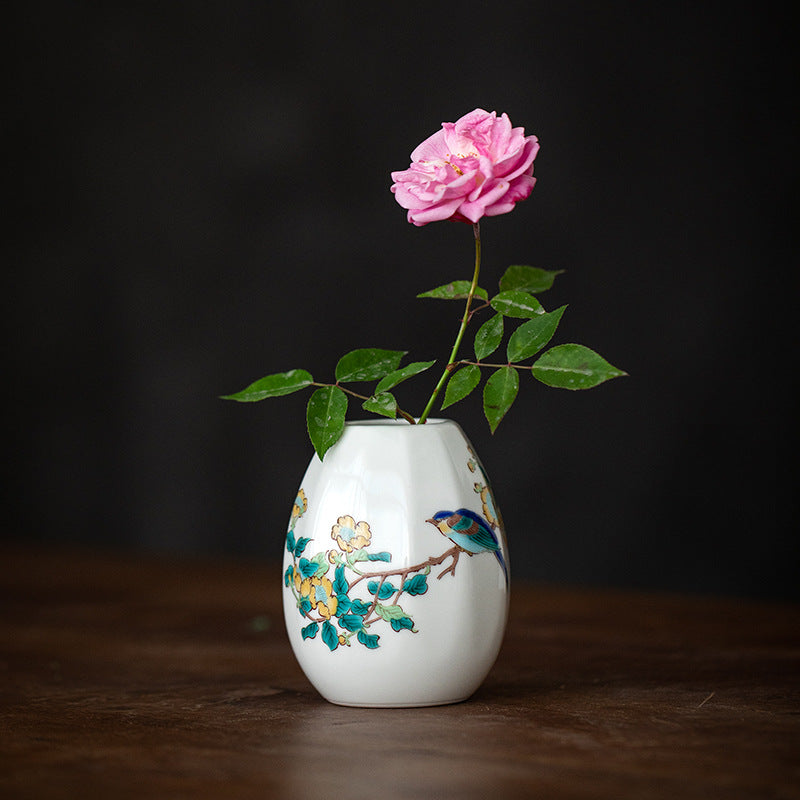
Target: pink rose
{"points": [[478, 166]]}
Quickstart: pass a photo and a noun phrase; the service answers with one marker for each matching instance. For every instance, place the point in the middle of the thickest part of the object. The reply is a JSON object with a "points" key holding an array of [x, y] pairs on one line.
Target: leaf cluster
{"points": [[327, 407], [515, 310], [566, 366]]}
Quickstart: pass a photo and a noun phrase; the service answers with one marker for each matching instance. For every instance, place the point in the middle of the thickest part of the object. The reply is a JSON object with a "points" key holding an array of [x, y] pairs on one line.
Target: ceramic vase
{"points": [[396, 567]]}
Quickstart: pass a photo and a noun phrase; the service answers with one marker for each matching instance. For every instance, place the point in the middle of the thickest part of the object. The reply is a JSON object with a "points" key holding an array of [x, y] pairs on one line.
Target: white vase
{"points": [[396, 567]]}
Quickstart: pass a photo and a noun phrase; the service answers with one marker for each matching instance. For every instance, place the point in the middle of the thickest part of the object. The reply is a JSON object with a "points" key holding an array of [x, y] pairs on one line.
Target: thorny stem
{"points": [[465, 319]]}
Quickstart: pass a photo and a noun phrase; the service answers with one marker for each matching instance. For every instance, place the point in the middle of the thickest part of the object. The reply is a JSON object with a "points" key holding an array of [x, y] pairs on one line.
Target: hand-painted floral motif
{"points": [[299, 507], [340, 600], [349, 535]]}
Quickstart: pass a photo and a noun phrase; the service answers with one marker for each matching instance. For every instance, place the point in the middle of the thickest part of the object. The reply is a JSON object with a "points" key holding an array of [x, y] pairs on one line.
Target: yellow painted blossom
{"points": [[487, 501], [300, 506], [349, 535], [319, 593]]}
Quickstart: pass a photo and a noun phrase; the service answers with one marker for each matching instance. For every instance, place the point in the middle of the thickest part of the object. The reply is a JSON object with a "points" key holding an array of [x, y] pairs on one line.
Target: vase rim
{"points": [[399, 423]]}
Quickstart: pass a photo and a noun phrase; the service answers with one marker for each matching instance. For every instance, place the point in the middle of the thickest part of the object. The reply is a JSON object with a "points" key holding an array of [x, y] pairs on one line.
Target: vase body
{"points": [[396, 567]]}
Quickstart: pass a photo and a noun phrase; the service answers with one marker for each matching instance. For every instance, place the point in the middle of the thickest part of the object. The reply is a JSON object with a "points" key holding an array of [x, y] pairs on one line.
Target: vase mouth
{"points": [[399, 423]]}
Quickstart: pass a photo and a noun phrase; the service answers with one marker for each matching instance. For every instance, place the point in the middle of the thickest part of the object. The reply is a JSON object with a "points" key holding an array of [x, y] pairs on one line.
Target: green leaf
{"points": [[528, 279], [350, 622], [340, 581], [323, 565], [516, 303], [402, 624], [573, 366], [383, 404], [367, 364], [310, 631], [498, 395], [329, 635], [456, 290], [389, 612], [325, 415], [369, 640], [301, 545], [461, 384], [400, 375], [416, 585], [532, 336], [385, 590], [488, 337], [274, 385]]}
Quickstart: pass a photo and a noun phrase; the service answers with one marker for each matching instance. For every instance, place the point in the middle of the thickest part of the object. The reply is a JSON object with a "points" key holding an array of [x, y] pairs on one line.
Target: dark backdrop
{"points": [[200, 196]]}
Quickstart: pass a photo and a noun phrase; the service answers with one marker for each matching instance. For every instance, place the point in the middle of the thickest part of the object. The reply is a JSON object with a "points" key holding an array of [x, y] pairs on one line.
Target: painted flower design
{"points": [[477, 166], [299, 508], [319, 593], [487, 503], [350, 535]]}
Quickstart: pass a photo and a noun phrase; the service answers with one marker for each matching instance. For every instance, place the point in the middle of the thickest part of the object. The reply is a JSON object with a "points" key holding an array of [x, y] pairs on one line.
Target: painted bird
{"points": [[470, 532]]}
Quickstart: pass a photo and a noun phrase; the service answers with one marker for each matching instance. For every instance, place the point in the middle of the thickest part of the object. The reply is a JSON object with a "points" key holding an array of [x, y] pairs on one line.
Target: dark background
{"points": [[200, 196]]}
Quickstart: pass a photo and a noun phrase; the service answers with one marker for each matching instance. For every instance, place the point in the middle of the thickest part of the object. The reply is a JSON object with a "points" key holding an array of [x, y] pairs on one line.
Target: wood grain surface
{"points": [[126, 677]]}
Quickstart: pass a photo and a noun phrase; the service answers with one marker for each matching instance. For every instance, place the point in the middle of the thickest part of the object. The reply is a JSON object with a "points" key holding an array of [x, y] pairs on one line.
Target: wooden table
{"points": [[132, 677]]}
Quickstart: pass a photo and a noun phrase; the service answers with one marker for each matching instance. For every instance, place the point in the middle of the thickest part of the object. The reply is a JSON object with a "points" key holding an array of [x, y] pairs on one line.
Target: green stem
{"points": [[407, 417], [465, 319]]}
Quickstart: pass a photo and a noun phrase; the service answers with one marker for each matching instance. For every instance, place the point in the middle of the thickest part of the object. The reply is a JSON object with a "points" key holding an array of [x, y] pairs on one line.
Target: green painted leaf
{"points": [[416, 585], [344, 605], [350, 622], [360, 607], [329, 635], [323, 565], [325, 415], [367, 364], [389, 612], [291, 542], [381, 556], [532, 336], [573, 366], [498, 395], [310, 631], [400, 375], [385, 590], [340, 581], [402, 623], [302, 543], [369, 640], [461, 384], [456, 290], [488, 337], [383, 404], [273, 386], [528, 279], [516, 303], [307, 567]]}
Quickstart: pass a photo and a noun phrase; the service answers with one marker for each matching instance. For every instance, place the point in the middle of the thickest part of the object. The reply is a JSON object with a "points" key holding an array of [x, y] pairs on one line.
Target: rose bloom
{"points": [[478, 166]]}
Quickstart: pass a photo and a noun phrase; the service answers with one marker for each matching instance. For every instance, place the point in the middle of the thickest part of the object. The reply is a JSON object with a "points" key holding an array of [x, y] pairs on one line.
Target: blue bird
{"points": [[470, 532]]}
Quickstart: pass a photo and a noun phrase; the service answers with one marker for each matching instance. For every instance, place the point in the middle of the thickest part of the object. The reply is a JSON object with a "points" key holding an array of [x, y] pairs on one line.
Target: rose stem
{"points": [[448, 368]]}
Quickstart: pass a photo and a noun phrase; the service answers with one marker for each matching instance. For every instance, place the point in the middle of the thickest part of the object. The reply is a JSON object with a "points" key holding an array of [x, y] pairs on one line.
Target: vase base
{"points": [[412, 704]]}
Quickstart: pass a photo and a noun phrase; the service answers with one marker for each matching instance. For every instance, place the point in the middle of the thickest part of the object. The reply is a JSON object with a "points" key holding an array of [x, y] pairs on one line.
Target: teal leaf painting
{"points": [[310, 631], [329, 635]]}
